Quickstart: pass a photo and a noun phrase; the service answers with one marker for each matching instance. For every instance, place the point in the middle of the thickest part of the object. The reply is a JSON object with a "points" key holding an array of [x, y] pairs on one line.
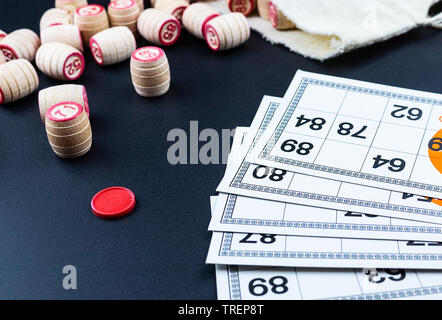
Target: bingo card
{"points": [[255, 283], [261, 181], [357, 132]]}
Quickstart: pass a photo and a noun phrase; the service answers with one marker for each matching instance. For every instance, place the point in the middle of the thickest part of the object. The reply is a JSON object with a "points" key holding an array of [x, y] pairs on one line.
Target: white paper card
{"points": [[318, 252], [255, 283], [357, 132], [251, 215], [259, 181]]}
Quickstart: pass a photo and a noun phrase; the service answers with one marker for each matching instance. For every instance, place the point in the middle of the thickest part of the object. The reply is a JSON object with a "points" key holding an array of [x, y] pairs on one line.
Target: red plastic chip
{"points": [[113, 202]]}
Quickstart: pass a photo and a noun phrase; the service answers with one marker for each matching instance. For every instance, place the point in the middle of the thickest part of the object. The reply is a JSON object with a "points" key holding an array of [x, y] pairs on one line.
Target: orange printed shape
{"points": [[435, 151]]}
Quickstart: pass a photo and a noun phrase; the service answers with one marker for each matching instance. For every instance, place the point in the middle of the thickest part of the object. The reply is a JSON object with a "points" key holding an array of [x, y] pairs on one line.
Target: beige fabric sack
{"points": [[327, 28]]}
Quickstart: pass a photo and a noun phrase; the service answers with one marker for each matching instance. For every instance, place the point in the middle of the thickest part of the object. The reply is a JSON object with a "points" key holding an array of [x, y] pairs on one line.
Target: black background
{"points": [[158, 251]]}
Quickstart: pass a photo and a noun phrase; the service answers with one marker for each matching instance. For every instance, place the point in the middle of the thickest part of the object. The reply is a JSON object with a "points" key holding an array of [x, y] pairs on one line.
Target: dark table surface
{"points": [[158, 251]]}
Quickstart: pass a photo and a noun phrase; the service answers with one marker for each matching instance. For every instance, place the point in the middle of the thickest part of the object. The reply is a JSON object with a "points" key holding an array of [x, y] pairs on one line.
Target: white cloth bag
{"points": [[327, 28]]}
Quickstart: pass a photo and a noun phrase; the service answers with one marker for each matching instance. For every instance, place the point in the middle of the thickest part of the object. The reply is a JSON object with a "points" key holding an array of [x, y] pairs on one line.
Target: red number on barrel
{"points": [[73, 67]]}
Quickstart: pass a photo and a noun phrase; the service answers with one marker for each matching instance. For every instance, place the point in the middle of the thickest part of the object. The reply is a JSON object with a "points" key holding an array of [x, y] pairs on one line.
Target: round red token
{"points": [[113, 202]]}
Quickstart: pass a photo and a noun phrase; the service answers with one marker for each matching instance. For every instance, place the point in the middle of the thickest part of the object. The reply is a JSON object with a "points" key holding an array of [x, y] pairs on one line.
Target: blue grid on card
{"points": [[227, 251], [234, 285], [230, 208], [265, 153], [270, 112], [237, 183], [405, 293], [235, 290]]}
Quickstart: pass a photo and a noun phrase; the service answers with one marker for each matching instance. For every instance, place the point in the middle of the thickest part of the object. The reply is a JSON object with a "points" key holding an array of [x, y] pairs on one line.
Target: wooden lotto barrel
{"points": [[124, 13], [60, 61], [2, 58], [68, 129], [66, 33], [219, 40], [20, 44], [91, 19], [159, 27], [196, 16], [70, 5], [54, 17], [112, 45], [153, 2], [263, 8], [173, 7], [18, 79], [57, 94], [140, 4], [246, 7], [278, 19], [150, 71]]}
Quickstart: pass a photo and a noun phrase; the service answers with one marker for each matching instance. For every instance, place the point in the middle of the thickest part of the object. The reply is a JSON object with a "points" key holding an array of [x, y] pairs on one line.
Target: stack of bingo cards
{"points": [[333, 192]]}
